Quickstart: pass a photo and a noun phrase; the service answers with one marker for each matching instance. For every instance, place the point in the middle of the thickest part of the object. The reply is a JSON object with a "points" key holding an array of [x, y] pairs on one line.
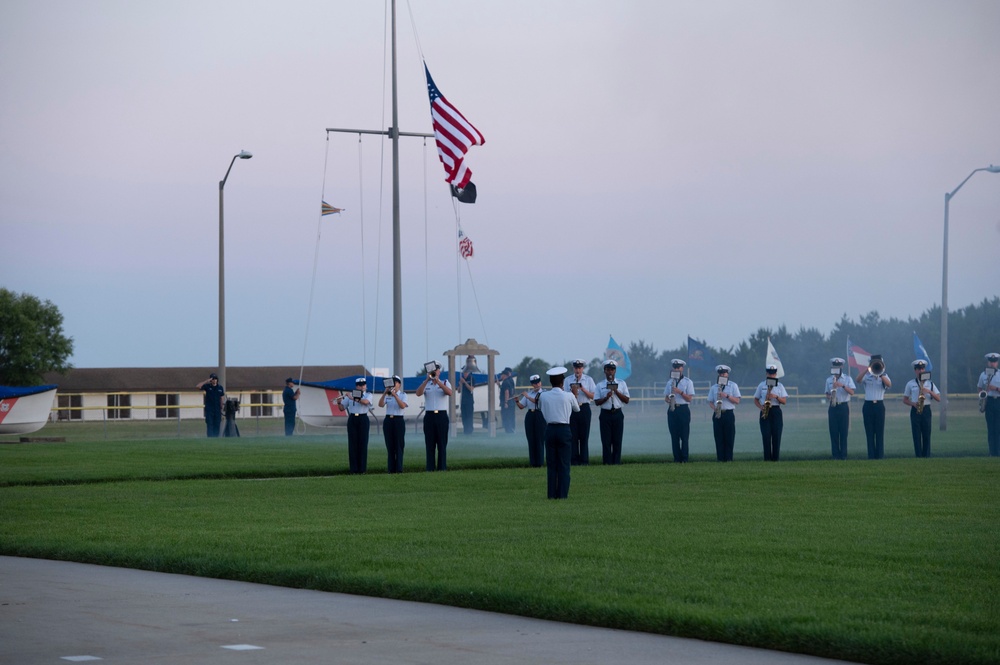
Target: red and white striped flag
{"points": [[464, 245], [454, 135]]}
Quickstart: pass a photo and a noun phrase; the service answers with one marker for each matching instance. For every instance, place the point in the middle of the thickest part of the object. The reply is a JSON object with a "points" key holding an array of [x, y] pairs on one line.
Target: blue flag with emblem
{"points": [[617, 353], [699, 357], [920, 353]]}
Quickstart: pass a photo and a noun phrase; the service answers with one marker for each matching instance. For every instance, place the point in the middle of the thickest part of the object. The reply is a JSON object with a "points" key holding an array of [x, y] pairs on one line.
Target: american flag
{"points": [[454, 135], [464, 245]]}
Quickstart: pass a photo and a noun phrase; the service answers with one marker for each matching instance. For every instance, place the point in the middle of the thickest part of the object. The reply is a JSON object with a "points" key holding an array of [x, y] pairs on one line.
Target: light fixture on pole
{"points": [[943, 416], [243, 154]]}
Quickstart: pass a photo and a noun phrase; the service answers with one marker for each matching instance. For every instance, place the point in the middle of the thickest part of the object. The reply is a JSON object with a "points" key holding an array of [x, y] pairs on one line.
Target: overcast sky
{"points": [[652, 169]]}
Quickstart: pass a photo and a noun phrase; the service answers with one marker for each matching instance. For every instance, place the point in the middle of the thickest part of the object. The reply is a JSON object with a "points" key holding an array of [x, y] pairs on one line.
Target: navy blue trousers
{"points": [[558, 448]]}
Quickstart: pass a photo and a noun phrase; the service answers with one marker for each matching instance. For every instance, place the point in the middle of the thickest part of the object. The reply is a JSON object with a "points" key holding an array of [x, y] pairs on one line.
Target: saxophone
{"points": [[675, 376], [718, 401], [983, 393], [833, 390], [920, 388]]}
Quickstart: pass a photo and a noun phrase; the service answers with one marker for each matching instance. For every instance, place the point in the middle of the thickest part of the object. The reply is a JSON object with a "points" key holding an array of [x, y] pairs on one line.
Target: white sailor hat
{"points": [[610, 363], [556, 371], [992, 357], [771, 368], [919, 363], [722, 368], [358, 381], [397, 379], [579, 363], [677, 362], [837, 362], [534, 378]]}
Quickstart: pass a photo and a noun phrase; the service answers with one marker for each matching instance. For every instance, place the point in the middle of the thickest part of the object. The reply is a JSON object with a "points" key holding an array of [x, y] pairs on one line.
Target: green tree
{"points": [[529, 366], [31, 339]]}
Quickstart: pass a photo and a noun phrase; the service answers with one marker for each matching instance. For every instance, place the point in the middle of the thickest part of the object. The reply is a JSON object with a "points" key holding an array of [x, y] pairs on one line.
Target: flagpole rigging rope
{"points": [[427, 269], [312, 284], [472, 283]]}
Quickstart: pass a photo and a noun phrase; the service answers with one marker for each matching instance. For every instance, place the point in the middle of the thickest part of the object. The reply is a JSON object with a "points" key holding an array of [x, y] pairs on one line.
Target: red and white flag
{"points": [[857, 358], [454, 135], [464, 245]]}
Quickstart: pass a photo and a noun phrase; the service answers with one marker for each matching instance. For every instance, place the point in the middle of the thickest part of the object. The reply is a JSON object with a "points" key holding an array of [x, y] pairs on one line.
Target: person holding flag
{"points": [[875, 382]]}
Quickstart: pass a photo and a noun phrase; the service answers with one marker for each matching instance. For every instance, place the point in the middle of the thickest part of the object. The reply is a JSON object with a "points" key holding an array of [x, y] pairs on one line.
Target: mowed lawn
{"points": [[893, 561]]}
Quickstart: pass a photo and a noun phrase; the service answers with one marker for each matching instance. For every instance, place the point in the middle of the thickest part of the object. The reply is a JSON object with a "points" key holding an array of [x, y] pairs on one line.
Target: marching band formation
{"points": [[557, 420]]}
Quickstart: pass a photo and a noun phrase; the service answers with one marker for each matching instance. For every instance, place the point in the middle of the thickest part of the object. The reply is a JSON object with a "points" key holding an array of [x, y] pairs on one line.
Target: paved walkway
{"points": [[58, 612]]}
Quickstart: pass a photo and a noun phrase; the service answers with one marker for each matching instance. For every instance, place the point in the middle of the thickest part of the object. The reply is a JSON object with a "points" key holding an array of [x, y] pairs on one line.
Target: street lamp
{"points": [[243, 154], [943, 419]]}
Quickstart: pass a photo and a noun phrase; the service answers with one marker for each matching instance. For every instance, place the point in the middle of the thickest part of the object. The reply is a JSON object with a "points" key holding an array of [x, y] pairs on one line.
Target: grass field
{"points": [[882, 562]]}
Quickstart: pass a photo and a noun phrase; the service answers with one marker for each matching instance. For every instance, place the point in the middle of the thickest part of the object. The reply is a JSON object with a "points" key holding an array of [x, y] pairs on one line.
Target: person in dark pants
{"points": [[215, 395], [557, 405], [769, 397], [289, 396], [611, 395], [989, 391], [875, 382], [357, 404], [723, 397], [678, 394], [394, 425], [435, 393], [507, 399], [839, 389], [534, 421], [465, 392], [582, 386], [917, 395]]}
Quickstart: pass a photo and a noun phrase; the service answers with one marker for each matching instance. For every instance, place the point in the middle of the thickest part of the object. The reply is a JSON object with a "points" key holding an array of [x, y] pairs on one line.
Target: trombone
{"points": [[876, 366]]}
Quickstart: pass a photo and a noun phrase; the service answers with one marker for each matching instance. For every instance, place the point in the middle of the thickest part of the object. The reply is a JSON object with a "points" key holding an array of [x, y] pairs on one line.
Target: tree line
{"points": [[805, 354]]}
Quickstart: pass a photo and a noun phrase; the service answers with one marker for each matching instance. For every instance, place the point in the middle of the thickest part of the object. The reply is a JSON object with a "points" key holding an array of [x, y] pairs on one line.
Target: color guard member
{"points": [[839, 389], [875, 382], [611, 395], [917, 395], [989, 394], [678, 394], [769, 397], [723, 397]]}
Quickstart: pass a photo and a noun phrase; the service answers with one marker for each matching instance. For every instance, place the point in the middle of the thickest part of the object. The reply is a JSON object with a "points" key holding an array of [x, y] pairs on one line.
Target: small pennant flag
{"points": [[329, 209], [464, 245]]}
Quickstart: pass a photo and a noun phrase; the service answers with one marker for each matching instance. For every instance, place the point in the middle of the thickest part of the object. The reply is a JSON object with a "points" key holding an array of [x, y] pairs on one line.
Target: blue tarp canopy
{"points": [[410, 383], [14, 391]]}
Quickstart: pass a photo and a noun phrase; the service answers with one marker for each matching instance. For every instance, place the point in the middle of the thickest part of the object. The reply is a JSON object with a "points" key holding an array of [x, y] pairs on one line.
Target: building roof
{"points": [[184, 379]]}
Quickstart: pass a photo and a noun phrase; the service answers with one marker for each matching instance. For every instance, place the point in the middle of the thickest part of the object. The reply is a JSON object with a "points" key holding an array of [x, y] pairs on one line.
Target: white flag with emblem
{"points": [[773, 359]]}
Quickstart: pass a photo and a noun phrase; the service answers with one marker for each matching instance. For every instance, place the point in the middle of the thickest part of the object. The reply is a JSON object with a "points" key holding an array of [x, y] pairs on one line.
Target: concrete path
{"points": [[59, 612]]}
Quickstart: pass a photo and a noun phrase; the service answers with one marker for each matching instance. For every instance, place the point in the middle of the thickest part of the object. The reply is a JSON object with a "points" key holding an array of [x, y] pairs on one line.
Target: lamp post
{"points": [[943, 418], [243, 154]]}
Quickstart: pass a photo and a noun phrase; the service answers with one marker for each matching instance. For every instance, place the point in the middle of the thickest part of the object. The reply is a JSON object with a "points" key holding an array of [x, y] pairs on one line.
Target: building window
{"points": [[164, 400], [257, 402], [69, 407], [118, 407]]}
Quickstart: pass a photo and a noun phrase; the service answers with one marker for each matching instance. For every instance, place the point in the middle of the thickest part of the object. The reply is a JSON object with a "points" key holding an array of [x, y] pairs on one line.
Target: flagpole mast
{"points": [[397, 289], [394, 134]]}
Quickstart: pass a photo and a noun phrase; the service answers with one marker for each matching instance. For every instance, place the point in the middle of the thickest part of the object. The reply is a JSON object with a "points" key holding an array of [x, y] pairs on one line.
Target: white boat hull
{"points": [[27, 413]]}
